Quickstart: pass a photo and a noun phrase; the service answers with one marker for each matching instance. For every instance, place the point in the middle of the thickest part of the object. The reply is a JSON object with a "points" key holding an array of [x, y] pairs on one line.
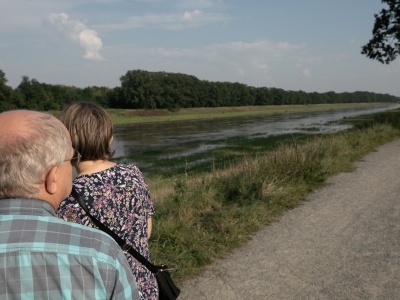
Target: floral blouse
{"points": [[120, 199]]}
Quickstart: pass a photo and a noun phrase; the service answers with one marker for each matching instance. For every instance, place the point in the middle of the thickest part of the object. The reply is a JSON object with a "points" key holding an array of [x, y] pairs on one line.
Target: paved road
{"points": [[342, 244]]}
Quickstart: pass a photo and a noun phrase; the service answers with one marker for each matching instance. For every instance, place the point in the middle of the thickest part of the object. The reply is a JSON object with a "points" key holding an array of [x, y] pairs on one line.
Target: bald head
{"points": [[18, 123], [11, 120], [31, 143]]}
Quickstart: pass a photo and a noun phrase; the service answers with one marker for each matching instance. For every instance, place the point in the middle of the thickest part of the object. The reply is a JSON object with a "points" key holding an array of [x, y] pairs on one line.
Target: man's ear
{"points": [[51, 180]]}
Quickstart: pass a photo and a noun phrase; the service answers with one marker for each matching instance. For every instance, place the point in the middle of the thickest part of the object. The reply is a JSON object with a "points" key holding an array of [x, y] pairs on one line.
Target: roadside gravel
{"points": [[341, 244]]}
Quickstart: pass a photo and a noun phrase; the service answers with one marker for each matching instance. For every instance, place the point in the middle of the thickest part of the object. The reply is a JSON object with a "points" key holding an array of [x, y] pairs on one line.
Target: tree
{"points": [[384, 45], [9, 98], [35, 95], [5, 90]]}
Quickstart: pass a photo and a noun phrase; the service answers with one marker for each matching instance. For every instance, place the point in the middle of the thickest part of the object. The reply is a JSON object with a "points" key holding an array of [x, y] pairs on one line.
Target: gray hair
{"points": [[25, 159]]}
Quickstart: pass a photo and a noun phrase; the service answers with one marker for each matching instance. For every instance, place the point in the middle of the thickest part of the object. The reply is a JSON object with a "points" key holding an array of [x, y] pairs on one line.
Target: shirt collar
{"points": [[25, 206]]}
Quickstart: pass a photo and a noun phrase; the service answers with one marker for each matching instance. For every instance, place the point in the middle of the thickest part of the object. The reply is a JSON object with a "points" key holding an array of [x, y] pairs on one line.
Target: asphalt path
{"points": [[343, 243]]}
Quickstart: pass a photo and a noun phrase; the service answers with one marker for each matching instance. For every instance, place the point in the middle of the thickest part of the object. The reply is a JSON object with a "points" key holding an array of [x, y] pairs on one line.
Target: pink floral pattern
{"points": [[120, 199]]}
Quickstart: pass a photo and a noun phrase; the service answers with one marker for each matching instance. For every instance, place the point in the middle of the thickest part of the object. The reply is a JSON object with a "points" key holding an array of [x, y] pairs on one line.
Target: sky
{"points": [[308, 45]]}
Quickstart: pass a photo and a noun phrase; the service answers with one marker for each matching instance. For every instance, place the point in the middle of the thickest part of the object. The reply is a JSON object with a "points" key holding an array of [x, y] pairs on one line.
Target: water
{"points": [[182, 138]]}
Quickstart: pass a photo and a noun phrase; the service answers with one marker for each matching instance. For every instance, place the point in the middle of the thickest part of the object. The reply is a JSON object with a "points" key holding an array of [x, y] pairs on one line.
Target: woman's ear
{"points": [[51, 180], [111, 140]]}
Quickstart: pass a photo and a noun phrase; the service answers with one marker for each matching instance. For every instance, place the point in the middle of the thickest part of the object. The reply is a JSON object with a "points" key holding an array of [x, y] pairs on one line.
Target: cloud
{"points": [[76, 30], [187, 4], [92, 44], [306, 72], [173, 21], [191, 16]]}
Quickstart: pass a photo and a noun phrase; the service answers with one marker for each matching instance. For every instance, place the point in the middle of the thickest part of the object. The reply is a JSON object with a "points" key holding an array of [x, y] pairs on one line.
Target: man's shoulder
{"points": [[87, 237], [71, 254], [49, 232]]}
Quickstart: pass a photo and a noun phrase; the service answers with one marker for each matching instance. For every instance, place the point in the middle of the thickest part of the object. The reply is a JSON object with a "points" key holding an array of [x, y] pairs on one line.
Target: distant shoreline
{"points": [[133, 116]]}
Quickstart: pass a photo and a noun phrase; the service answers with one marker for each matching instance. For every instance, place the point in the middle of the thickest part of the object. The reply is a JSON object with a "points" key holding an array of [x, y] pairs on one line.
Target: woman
{"points": [[115, 194]]}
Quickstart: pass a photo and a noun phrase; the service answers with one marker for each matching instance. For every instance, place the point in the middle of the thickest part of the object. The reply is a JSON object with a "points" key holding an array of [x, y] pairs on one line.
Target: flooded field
{"points": [[181, 138]]}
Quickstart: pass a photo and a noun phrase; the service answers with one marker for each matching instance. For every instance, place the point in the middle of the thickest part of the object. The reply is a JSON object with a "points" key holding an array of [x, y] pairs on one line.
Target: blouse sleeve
{"points": [[147, 202]]}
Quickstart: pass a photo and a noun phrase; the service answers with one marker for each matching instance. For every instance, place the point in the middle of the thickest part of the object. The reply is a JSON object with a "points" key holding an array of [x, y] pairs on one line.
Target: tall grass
{"points": [[203, 217]]}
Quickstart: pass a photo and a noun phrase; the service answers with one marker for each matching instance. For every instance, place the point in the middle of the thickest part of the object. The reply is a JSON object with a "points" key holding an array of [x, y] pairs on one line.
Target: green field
{"points": [[130, 116]]}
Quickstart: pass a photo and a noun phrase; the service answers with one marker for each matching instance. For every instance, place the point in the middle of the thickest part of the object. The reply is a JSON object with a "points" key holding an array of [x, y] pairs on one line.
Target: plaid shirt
{"points": [[44, 257]]}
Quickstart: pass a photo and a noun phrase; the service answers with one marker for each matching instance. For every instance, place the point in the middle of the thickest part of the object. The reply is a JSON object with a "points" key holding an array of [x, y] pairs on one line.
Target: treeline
{"points": [[154, 90]]}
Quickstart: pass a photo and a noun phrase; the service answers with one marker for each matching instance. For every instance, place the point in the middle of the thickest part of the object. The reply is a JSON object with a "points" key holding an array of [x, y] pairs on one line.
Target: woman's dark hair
{"points": [[90, 128]]}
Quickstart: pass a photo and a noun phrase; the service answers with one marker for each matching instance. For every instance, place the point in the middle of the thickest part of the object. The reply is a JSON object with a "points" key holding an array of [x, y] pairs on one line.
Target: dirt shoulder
{"points": [[341, 244]]}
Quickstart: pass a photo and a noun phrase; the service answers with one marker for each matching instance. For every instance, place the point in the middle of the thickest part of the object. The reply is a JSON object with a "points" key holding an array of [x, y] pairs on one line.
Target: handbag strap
{"points": [[125, 246]]}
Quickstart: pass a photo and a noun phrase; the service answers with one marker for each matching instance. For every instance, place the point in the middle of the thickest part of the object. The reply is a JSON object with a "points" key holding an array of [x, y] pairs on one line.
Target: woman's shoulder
{"points": [[129, 171], [127, 167], [119, 171]]}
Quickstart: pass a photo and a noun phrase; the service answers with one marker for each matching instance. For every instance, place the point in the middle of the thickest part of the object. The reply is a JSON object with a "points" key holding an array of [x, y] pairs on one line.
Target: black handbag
{"points": [[166, 287]]}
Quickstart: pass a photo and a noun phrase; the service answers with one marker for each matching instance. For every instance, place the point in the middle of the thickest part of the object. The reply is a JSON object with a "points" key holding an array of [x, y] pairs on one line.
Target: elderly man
{"points": [[42, 256]]}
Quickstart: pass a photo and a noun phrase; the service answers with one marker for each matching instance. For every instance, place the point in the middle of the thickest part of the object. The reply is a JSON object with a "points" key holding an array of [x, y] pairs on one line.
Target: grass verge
{"points": [[204, 216]]}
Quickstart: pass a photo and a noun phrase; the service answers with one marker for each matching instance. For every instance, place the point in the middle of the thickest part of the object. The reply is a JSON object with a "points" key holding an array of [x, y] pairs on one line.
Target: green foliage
{"points": [[161, 90], [384, 45], [31, 94], [9, 99]]}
